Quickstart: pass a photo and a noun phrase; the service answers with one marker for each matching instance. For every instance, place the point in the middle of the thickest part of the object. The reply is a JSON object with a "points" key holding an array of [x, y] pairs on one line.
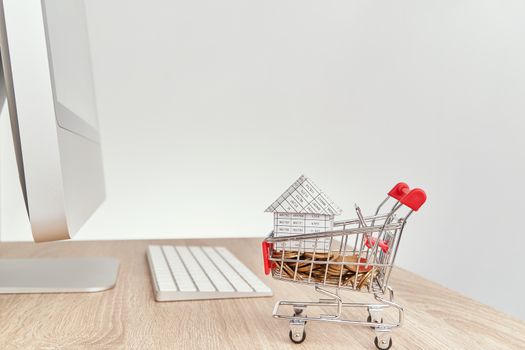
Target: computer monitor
{"points": [[48, 83]]}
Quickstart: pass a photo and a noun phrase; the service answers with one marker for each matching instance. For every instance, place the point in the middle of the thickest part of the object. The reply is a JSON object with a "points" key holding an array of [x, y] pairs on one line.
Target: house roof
{"points": [[304, 197]]}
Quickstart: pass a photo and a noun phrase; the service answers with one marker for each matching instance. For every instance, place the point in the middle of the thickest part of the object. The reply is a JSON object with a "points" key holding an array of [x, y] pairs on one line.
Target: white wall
{"points": [[209, 109]]}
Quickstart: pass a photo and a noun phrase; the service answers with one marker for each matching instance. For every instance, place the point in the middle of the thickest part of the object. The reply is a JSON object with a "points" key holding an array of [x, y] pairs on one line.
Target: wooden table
{"points": [[127, 317]]}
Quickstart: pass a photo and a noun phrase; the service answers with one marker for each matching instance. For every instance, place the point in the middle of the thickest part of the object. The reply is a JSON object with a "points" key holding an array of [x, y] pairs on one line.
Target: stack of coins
{"points": [[326, 268]]}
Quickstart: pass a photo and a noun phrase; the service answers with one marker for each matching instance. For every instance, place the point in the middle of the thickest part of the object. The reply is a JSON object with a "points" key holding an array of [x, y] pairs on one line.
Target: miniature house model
{"points": [[303, 208]]}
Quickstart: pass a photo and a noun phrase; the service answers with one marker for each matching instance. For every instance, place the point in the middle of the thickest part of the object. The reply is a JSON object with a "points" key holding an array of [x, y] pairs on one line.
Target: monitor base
{"points": [[57, 275]]}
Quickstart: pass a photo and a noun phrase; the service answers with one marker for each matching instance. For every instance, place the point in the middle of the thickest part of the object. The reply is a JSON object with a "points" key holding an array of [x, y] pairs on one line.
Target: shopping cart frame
{"points": [[378, 238]]}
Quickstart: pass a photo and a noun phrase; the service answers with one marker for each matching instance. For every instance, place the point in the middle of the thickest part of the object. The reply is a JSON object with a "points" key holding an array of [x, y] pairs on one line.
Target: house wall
{"points": [[209, 109], [288, 224]]}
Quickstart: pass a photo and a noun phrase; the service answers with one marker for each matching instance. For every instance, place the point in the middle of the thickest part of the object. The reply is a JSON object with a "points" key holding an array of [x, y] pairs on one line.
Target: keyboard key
{"points": [[181, 276], [213, 273], [199, 277], [163, 275], [238, 283], [246, 273]]}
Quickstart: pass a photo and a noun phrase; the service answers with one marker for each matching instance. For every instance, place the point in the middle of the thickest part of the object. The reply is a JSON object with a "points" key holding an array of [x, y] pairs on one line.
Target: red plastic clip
{"points": [[266, 256], [371, 241]]}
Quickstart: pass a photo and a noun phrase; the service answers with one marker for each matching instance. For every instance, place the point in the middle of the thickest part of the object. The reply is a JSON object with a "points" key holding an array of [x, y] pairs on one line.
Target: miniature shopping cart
{"points": [[357, 255]]}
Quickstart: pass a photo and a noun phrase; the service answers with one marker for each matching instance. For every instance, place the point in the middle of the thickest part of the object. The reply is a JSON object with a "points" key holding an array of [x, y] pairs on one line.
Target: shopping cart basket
{"points": [[359, 257]]}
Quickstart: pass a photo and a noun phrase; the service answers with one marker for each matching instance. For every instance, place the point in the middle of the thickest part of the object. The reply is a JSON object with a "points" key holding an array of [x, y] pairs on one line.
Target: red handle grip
{"points": [[413, 199], [266, 256], [399, 191]]}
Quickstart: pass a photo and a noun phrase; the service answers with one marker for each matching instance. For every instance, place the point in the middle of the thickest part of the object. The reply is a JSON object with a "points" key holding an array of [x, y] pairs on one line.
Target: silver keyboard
{"points": [[201, 272]]}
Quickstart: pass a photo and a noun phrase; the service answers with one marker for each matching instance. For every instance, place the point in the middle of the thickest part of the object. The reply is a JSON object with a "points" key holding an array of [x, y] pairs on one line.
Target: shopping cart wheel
{"points": [[297, 337], [383, 344], [369, 319], [297, 311]]}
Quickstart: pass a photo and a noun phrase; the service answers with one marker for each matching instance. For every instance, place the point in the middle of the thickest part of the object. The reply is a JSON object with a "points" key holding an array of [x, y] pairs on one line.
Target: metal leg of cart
{"points": [[383, 339], [375, 315]]}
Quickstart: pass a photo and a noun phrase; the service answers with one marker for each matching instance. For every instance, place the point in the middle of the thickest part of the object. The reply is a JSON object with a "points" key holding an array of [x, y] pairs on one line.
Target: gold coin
{"points": [[321, 255], [305, 262], [349, 281], [361, 268], [287, 254], [346, 258], [366, 278], [305, 268], [292, 273], [336, 273], [281, 271]]}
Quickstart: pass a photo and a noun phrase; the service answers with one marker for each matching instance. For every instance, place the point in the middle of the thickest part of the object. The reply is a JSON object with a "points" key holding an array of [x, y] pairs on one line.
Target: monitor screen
{"points": [[51, 97], [70, 63]]}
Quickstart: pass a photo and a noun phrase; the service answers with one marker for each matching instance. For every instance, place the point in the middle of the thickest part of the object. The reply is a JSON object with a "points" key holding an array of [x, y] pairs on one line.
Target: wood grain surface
{"points": [[127, 317]]}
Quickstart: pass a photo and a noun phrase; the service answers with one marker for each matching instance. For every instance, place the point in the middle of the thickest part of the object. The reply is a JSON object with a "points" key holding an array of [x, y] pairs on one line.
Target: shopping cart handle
{"points": [[399, 191], [266, 256], [413, 199]]}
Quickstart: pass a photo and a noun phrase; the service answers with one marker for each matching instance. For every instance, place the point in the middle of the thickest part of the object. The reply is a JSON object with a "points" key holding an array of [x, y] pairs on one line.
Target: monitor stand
{"points": [[57, 275]]}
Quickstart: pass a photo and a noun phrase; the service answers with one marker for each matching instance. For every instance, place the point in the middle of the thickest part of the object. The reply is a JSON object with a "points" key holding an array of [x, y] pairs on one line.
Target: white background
{"points": [[210, 109]]}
